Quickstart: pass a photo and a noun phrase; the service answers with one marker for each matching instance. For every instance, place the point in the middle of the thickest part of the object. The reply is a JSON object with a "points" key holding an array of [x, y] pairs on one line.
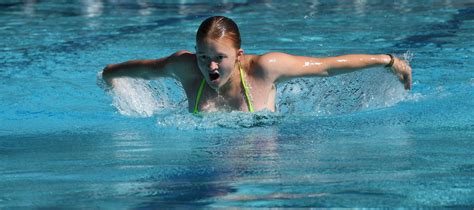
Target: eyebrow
{"points": [[219, 54]]}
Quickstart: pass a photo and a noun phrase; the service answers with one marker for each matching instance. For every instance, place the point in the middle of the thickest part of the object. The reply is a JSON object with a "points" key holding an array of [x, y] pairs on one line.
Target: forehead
{"points": [[220, 45]]}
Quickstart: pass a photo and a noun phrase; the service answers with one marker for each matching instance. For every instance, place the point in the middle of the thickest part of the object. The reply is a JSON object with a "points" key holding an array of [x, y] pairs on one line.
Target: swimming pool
{"points": [[355, 140]]}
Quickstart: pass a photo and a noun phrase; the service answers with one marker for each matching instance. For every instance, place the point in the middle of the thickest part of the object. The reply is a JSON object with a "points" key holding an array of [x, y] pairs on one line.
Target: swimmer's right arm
{"points": [[145, 69]]}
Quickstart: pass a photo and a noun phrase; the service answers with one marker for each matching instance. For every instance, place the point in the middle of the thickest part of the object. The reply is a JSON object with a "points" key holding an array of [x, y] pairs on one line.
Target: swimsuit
{"points": [[246, 91]]}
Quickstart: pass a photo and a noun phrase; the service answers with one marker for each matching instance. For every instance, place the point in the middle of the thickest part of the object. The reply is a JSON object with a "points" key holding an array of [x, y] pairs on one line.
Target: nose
{"points": [[213, 65]]}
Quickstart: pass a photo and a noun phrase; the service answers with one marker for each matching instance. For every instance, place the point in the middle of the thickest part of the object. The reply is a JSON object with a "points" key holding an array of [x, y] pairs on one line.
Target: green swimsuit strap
{"points": [[244, 84], [198, 97], [246, 89]]}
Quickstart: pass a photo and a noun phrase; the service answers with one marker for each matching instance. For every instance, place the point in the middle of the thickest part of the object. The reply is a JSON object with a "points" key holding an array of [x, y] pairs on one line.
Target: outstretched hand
{"points": [[402, 69], [106, 75]]}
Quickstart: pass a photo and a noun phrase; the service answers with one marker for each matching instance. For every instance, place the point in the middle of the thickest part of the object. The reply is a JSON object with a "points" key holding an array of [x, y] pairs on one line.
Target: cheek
{"points": [[228, 67], [201, 66]]}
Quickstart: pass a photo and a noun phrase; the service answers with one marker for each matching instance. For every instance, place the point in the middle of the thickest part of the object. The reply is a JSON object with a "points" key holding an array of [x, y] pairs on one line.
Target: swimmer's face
{"points": [[217, 59]]}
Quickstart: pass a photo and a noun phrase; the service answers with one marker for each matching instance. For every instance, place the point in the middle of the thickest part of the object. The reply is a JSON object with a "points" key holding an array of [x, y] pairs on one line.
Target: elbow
{"points": [[324, 70], [334, 72], [326, 74]]}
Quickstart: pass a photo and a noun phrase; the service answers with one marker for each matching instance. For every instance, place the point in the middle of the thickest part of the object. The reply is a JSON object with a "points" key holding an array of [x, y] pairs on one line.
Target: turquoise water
{"points": [[356, 140]]}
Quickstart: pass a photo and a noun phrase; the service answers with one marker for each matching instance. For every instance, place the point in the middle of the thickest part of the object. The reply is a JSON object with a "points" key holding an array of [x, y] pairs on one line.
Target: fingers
{"points": [[403, 72], [408, 81], [405, 80], [407, 76]]}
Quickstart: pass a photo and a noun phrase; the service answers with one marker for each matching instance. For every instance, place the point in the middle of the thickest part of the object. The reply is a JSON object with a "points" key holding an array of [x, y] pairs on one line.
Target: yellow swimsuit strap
{"points": [[244, 84], [198, 97], [246, 89]]}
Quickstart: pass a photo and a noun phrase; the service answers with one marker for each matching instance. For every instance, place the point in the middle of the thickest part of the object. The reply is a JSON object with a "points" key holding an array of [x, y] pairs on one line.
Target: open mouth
{"points": [[214, 75]]}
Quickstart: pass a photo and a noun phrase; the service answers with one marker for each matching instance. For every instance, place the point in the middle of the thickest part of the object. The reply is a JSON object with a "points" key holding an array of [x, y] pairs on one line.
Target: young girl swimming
{"points": [[220, 77]]}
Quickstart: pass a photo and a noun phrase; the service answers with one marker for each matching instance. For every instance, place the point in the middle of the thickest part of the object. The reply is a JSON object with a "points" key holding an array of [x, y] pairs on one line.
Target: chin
{"points": [[215, 84]]}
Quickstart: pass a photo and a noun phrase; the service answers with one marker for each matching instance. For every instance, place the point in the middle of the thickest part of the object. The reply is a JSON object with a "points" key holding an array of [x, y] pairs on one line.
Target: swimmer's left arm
{"points": [[283, 66]]}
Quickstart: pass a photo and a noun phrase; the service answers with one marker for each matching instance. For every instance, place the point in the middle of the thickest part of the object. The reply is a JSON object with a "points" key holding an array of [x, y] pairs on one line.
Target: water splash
{"points": [[368, 89], [407, 56], [228, 120], [135, 97], [364, 90], [141, 98]]}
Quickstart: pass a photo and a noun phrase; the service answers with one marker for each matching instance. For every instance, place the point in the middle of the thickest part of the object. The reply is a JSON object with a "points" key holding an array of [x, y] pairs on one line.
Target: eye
{"points": [[220, 57], [203, 57]]}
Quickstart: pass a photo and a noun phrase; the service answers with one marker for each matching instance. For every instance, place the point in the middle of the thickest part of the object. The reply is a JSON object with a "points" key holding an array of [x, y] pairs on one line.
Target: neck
{"points": [[232, 87]]}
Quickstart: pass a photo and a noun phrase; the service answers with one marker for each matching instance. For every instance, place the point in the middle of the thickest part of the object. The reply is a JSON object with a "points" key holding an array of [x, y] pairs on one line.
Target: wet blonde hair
{"points": [[217, 27]]}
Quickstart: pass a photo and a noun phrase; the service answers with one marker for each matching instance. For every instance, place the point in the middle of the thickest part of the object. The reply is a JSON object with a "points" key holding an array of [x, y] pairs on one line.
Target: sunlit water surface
{"points": [[356, 140]]}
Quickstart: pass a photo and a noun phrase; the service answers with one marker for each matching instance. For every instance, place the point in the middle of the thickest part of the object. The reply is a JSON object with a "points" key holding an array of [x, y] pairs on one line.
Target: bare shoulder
{"points": [[272, 64], [274, 60], [270, 57], [182, 64], [182, 56]]}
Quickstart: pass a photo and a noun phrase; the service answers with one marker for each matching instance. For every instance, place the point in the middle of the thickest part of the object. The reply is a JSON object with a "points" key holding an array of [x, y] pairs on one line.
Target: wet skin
{"points": [[217, 61]]}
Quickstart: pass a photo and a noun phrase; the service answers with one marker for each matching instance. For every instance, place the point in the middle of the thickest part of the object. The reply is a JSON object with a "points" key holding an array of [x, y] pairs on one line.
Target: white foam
{"points": [[228, 120], [135, 97], [368, 89]]}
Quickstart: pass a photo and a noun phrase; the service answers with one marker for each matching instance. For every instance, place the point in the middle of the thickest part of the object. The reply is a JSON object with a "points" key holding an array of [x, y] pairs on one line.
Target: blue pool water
{"points": [[356, 140]]}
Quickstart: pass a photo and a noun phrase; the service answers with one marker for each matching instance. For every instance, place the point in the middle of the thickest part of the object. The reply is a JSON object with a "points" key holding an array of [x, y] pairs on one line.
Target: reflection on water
{"points": [[29, 7], [94, 8], [308, 161], [60, 147], [210, 168], [245, 167]]}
